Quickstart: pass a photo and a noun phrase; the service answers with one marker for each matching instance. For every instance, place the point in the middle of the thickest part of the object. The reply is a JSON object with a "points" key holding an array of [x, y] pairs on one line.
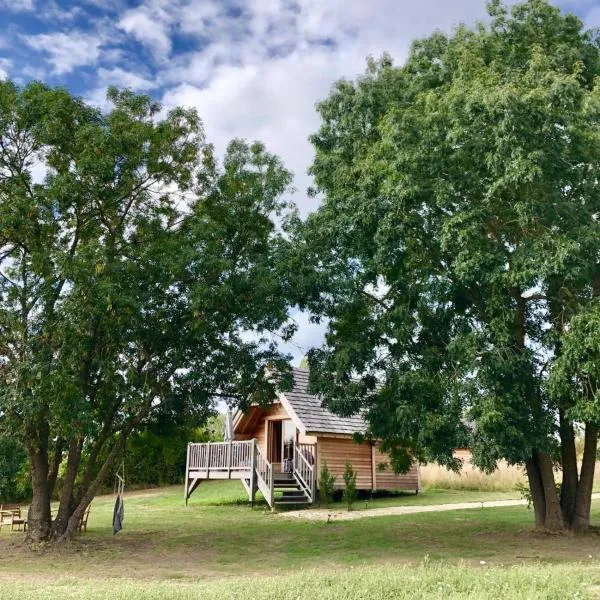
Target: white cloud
{"points": [[66, 51], [120, 78], [124, 79], [5, 65], [150, 24], [17, 5], [260, 74]]}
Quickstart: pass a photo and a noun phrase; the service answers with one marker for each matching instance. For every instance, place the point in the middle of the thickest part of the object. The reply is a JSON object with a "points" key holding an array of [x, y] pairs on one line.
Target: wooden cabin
{"points": [[282, 448]]}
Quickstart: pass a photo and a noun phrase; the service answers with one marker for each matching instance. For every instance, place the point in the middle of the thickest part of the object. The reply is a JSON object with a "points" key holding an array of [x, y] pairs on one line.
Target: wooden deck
{"points": [[244, 460]]}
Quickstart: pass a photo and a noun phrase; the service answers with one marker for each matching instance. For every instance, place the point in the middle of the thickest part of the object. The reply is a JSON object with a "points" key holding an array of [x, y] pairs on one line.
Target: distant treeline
{"points": [[155, 456]]}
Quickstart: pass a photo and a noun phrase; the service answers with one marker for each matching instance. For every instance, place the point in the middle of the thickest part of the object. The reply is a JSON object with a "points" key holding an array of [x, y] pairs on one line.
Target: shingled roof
{"points": [[311, 414]]}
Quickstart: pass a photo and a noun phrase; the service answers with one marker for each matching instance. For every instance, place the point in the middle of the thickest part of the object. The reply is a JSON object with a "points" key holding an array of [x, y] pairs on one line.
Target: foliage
{"points": [[14, 481], [349, 485], [157, 455], [128, 278], [326, 485], [457, 240]]}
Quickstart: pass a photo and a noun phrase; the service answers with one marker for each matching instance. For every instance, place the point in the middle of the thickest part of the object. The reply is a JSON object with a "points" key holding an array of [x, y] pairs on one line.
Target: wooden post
{"points": [[187, 474], [208, 461], [229, 460], [253, 472]]}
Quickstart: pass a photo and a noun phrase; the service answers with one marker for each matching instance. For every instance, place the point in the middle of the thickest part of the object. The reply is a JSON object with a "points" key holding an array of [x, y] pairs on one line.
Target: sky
{"points": [[253, 68]]}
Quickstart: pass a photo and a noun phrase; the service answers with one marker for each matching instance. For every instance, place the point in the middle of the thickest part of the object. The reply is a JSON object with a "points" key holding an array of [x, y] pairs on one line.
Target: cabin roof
{"points": [[306, 410], [312, 415]]}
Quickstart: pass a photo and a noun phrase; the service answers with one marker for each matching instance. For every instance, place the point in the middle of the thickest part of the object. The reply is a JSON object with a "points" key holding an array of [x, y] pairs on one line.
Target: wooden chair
{"points": [[84, 519], [10, 514]]}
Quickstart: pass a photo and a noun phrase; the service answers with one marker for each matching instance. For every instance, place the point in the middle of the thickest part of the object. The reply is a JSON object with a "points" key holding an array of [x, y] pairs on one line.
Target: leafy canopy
{"points": [[458, 235]]}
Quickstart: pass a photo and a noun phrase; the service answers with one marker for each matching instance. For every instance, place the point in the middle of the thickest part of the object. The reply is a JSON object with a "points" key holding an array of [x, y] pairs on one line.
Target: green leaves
{"points": [[130, 277], [458, 235]]}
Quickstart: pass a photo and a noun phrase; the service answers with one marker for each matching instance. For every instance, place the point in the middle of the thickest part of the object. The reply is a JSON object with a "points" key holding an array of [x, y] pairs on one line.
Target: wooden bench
{"points": [[10, 514]]}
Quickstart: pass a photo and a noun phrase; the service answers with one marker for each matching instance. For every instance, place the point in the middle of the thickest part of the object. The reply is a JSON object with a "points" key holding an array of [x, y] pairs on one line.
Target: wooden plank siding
{"points": [[336, 451], [386, 479]]}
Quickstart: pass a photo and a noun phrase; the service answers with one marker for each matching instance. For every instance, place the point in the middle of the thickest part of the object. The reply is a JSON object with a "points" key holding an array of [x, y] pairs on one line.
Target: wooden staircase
{"points": [[292, 491], [246, 461]]}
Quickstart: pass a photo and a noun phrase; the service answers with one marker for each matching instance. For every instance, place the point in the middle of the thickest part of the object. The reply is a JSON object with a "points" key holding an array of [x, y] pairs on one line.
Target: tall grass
{"points": [[431, 582], [505, 478]]}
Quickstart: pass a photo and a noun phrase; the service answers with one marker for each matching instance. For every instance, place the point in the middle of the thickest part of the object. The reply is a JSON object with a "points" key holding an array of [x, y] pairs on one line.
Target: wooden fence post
{"points": [[187, 474], [229, 460], [253, 472]]}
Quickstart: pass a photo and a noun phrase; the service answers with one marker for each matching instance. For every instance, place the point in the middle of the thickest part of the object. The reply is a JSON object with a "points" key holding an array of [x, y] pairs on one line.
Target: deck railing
{"points": [[264, 470], [304, 470], [308, 451], [221, 456], [245, 460]]}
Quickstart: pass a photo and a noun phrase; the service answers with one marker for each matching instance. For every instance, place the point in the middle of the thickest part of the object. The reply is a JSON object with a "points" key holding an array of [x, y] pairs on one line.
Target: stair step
{"points": [[292, 501]]}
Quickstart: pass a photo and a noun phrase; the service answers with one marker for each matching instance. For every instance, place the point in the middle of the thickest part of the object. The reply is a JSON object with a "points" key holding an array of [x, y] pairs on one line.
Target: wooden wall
{"points": [[336, 451], [275, 412], [386, 479], [368, 462]]}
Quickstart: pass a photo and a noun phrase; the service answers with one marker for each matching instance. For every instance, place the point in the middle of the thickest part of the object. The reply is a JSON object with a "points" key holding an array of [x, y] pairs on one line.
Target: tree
{"points": [[326, 485], [349, 484], [127, 279], [457, 241]]}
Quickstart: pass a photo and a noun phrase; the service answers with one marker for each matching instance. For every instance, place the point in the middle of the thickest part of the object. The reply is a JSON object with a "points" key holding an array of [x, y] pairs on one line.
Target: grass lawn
{"points": [[220, 547], [432, 496]]}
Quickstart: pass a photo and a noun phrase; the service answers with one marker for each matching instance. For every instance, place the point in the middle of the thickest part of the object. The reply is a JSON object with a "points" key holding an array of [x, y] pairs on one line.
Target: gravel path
{"points": [[323, 514]]}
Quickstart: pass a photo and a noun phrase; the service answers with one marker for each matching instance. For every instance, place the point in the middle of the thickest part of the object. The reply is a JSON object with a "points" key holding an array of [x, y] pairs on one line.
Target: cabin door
{"points": [[275, 443], [282, 435]]}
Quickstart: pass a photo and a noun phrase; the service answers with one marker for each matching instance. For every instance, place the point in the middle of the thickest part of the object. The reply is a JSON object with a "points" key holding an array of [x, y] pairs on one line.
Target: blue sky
{"points": [[252, 68]]}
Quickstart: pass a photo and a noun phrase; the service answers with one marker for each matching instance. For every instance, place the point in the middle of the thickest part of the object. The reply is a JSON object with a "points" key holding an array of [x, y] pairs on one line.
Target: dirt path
{"points": [[323, 514]]}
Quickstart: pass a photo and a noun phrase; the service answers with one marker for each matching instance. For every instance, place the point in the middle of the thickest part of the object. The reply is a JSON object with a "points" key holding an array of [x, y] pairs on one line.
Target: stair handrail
{"points": [[304, 472], [264, 473]]}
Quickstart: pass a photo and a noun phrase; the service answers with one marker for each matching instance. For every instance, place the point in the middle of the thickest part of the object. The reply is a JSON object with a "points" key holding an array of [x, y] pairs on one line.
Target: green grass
{"points": [[431, 496], [427, 582], [221, 547]]}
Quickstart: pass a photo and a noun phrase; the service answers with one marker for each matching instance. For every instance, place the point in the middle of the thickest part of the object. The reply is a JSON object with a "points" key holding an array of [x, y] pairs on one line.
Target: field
{"points": [[221, 547]]}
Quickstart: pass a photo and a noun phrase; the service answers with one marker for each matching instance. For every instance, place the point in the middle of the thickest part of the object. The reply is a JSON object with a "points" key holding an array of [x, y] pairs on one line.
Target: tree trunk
{"points": [[568, 490], [553, 520], [88, 496], [536, 488], [581, 519], [66, 506], [39, 519], [56, 462]]}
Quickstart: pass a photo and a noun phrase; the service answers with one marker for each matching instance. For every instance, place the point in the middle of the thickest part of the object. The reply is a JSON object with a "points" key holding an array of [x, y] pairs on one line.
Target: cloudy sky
{"points": [[253, 68]]}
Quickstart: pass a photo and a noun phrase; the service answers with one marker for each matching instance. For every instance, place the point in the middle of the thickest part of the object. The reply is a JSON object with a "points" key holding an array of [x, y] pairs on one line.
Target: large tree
{"points": [[457, 239], [129, 273]]}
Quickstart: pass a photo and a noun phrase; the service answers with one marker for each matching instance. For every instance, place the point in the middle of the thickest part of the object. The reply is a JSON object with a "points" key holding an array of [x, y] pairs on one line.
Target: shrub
{"points": [[326, 485], [349, 485]]}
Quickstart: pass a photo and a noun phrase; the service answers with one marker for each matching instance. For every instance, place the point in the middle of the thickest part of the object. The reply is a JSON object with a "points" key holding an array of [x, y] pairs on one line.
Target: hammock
{"points": [[119, 510]]}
